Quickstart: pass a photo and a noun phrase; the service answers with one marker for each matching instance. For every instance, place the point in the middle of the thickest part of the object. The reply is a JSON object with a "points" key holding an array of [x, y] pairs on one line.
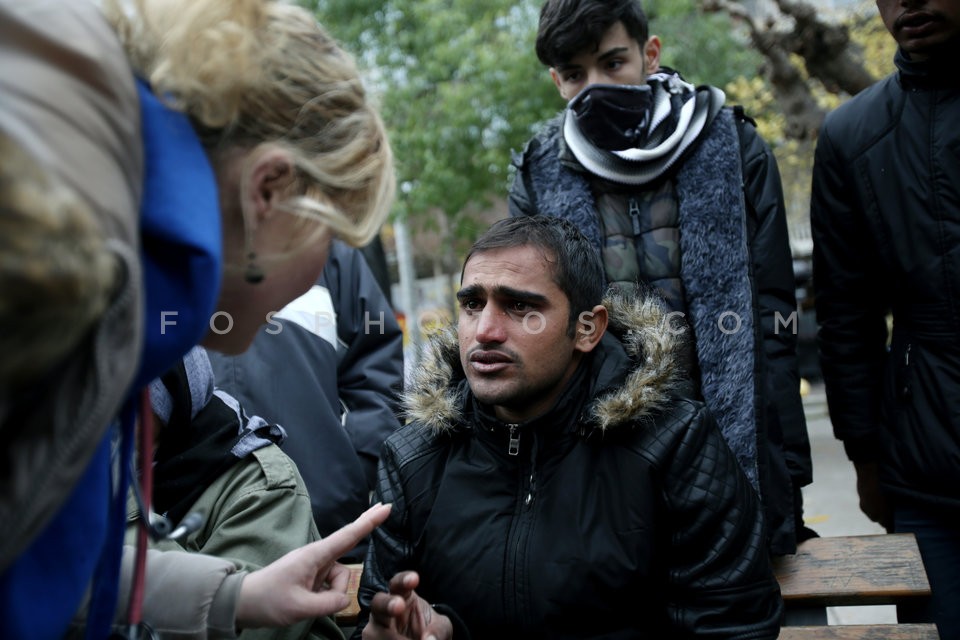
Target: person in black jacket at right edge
{"points": [[885, 213], [556, 480], [678, 191]]}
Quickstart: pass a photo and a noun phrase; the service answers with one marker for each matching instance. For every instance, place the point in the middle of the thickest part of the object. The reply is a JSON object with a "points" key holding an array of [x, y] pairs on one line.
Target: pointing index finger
{"points": [[347, 537]]}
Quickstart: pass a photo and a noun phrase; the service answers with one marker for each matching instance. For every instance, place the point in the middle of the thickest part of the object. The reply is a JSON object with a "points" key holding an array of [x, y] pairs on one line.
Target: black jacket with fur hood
{"points": [[622, 513]]}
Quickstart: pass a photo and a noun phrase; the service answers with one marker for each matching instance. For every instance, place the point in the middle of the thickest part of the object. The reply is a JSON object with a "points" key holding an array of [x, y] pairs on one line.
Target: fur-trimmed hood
{"points": [[641, 336]]}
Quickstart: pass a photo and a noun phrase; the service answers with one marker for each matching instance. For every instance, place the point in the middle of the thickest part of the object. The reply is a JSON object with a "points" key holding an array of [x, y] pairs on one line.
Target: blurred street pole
{"points": [[407, 297]]}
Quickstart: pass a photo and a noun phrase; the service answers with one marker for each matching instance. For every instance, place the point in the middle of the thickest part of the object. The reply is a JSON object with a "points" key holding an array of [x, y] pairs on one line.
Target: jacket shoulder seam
{"points": [[411, 442]]}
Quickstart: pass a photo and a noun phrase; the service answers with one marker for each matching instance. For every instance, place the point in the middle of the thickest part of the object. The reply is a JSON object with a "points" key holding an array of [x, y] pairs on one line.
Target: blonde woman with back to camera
{"points": [[205, 153]]}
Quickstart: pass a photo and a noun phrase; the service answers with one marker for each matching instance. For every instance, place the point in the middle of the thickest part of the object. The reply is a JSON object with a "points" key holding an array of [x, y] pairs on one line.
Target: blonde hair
{"points": [[57, 273], [253, 71]]}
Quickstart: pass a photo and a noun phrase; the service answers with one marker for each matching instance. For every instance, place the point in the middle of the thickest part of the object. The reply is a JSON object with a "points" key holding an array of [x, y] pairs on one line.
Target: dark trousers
{"points": [[938, 537]]}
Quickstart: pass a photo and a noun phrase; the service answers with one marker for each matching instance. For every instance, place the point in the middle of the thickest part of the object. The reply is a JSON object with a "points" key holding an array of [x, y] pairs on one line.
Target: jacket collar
{"points": [[632, 373], [566, 414], [937, 73]]}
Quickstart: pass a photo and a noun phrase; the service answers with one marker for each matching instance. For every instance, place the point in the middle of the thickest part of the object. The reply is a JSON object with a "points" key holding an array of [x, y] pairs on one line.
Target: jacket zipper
{"points": [[532, 479], [634, 209], [516, 601], [513, 446], [905, 389]]}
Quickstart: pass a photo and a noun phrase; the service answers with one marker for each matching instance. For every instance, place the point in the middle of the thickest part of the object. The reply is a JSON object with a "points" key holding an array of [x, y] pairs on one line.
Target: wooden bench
{"points": [[348, 617], [825, 572], [838, 571]]}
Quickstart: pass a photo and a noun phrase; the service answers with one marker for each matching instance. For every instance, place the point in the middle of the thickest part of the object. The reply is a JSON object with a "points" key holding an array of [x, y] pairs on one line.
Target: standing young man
{"points": [[680, 193], [554, 481], [885, 212]]}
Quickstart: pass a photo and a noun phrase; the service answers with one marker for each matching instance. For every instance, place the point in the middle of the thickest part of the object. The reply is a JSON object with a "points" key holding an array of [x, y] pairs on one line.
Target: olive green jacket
{"points": [[253, 514]]}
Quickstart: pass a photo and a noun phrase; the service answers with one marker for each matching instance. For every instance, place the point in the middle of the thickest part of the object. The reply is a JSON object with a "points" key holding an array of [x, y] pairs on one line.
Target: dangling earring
{"points": [[254, 274]]}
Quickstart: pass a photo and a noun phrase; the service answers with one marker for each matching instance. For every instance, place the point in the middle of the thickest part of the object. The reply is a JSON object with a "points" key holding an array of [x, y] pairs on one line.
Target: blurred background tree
{"points": [[460, 87], [811, 60]]}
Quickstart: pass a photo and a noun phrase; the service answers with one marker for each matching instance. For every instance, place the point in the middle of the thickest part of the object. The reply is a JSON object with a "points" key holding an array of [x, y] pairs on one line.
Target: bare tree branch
{"points": [[826, 50], [803, 115]]}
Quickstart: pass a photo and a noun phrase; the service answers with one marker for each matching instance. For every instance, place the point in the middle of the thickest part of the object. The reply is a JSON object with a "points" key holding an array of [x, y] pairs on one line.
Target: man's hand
{"points": [[403, 615], [307, 582], [873, 502]]}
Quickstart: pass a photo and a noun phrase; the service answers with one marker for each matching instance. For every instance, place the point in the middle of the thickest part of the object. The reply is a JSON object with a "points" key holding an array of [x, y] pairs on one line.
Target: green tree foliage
{"points": [[460, 88], [702, 47], [875, 42]]}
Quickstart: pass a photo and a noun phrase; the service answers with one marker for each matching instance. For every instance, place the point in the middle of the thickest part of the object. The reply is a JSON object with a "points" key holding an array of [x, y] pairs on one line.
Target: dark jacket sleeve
{"points": [[772, 264], [370, 357], [721, 584], [850, 301], [391, 544], [519, 198], [390, 548]]}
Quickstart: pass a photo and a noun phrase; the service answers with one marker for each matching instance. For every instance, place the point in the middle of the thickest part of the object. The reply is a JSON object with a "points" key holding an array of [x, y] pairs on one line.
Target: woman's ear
{"points": [[271, 175], [591, 325]]}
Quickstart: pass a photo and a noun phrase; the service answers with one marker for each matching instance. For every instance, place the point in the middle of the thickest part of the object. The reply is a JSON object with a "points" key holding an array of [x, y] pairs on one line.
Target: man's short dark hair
{"points": [[577, 268], [568, 27]]}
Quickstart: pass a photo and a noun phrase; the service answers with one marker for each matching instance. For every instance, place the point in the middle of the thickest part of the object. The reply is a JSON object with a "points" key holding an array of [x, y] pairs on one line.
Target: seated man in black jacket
{"points": [[554, 480]]}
